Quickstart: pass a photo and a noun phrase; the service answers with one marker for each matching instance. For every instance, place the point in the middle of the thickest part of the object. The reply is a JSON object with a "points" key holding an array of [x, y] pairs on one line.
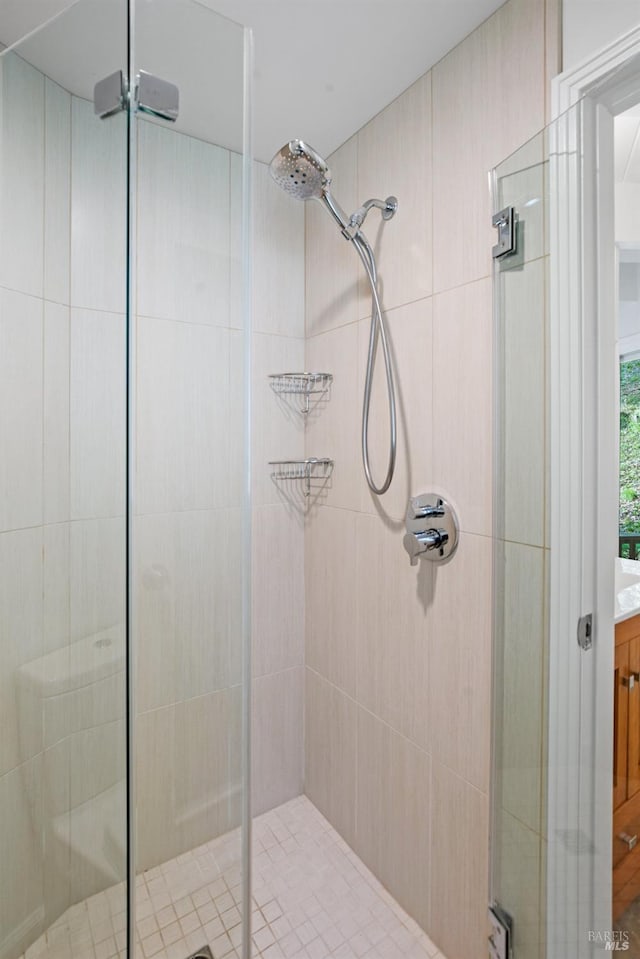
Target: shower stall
{"points": [[128, 489]]}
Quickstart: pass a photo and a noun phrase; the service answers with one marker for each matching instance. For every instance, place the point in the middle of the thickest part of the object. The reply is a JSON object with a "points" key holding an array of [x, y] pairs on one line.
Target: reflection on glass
{"points": [[65, 331], [518, 849], [63, 187], [188, 493]]}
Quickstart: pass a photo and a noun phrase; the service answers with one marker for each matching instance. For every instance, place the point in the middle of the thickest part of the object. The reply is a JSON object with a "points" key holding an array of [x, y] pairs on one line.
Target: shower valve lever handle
{"points": [[427, 512], [418, 543]]}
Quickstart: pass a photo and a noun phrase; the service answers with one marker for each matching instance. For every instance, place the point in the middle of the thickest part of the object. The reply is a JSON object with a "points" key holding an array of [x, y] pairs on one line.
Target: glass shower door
{"points": [[124, 538], [521, 552], [544, 837], [63, 450], [190, 506]]}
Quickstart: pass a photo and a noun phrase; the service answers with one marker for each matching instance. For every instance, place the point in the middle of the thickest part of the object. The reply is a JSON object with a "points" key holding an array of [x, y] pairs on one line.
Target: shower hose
{"points": [[378, 328]]}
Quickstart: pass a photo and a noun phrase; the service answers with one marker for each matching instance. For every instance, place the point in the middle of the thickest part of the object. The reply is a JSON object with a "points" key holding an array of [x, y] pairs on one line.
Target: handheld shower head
{"points": [[303, 174], [300, 171]]}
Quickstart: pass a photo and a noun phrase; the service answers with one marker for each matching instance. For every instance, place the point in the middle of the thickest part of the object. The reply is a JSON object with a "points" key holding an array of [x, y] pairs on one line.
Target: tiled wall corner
{"points": [[333, 427], [277, 740], [330, 753], [278, 599]]}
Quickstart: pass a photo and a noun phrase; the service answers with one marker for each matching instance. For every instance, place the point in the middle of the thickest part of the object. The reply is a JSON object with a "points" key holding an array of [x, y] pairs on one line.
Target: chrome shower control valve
{"points": [[432, 529]]}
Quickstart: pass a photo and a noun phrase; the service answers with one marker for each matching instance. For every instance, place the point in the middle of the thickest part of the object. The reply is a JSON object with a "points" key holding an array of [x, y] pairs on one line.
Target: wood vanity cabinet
{"points": [[626, 764]]}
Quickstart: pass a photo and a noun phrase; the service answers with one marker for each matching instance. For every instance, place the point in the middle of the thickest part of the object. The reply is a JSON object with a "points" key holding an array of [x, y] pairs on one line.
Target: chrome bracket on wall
{"points": [[585, 631], [151, 95], [157, 97], [110, 95], [505, 223], [501, 934]]}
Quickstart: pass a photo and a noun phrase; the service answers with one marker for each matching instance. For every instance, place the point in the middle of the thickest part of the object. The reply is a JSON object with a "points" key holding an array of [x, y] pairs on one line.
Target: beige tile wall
{"points": [[398, 659], [189, 493], [278, 527]]}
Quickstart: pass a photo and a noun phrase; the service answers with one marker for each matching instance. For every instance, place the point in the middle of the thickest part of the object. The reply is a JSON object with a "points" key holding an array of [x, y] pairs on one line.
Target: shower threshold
{"points": [[313, 898]]}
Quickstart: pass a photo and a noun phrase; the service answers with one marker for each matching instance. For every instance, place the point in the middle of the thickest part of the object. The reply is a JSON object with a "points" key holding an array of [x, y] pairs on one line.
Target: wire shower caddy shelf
{"points": [[306, 470], [301, 384]]}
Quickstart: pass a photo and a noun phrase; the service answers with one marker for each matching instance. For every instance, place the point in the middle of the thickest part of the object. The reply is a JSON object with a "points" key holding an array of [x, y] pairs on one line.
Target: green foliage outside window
{"points": [[630, 447]]}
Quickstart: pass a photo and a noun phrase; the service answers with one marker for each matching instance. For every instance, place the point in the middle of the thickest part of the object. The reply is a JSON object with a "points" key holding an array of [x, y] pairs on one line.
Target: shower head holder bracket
{"points": [[388, 208]]}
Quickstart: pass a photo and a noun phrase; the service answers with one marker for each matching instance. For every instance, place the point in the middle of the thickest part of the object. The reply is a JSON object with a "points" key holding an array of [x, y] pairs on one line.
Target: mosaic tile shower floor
{"points": [[312, 899]]}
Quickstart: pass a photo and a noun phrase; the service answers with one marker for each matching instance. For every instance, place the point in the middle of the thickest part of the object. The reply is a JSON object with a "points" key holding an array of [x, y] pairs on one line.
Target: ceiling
{"points": [[323, 68]]}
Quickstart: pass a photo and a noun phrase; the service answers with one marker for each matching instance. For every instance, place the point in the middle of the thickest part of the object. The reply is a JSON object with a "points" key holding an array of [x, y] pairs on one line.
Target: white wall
{"points": [[589, 25]]}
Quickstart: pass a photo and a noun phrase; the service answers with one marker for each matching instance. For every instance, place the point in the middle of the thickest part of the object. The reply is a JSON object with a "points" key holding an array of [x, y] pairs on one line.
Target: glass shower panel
{"points": [[543, 842], [521, 552], [189, 495], [63, 332]]}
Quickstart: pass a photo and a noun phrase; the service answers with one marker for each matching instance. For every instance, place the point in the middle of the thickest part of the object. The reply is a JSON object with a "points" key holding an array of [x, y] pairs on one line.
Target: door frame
{"points": [[583, 491]]}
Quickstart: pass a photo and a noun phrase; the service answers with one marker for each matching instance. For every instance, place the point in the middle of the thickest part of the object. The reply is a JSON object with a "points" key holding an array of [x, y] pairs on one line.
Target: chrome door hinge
{"points": [[151, 95], [157, 96], [585, 631], [500, 933], [505, 223], [110, 95]]}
